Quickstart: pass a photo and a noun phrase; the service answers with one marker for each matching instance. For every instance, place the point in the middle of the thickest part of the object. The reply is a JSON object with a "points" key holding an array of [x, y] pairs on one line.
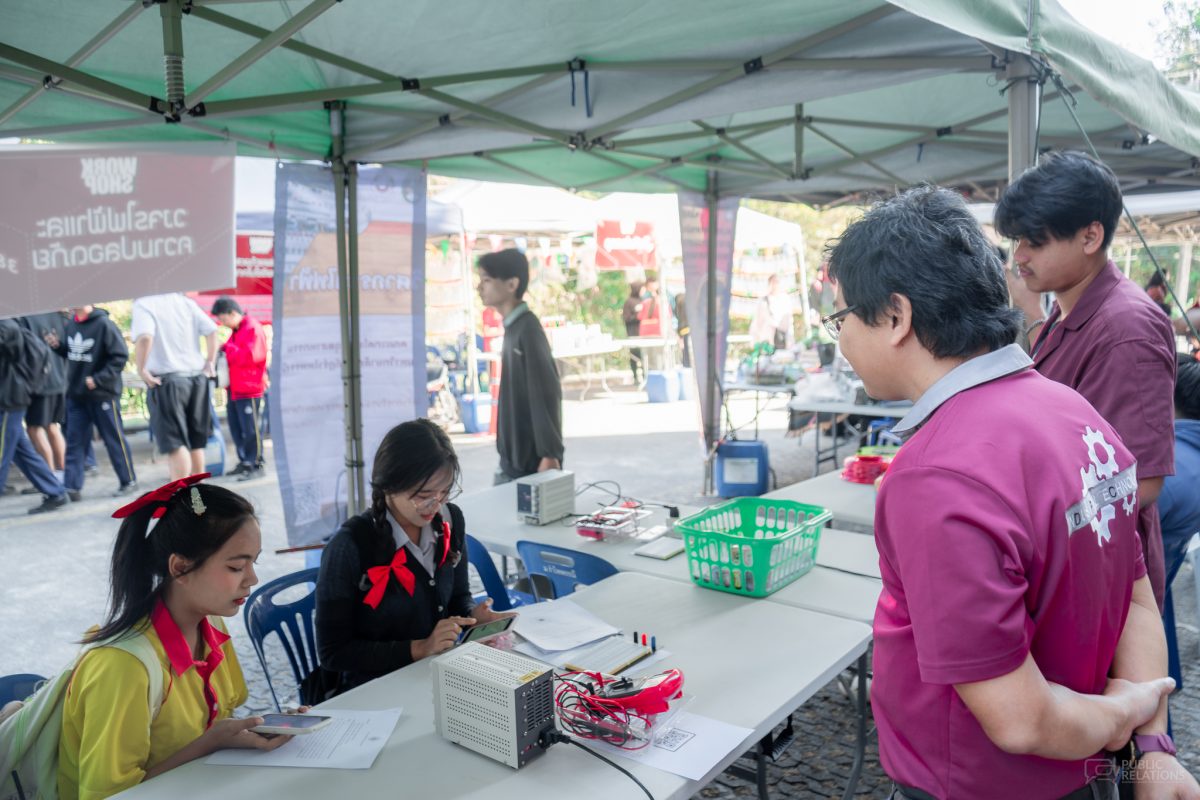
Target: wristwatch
{"points": [[1153, 743]]}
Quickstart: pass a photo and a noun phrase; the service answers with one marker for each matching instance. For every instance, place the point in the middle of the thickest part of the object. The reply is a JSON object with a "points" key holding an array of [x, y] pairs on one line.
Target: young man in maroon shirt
{"points": [[1016, 636], [1104, 337]]}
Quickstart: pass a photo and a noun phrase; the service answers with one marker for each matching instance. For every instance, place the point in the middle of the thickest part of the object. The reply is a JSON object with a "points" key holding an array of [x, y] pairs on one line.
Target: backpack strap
{"points": [[141, 648]]}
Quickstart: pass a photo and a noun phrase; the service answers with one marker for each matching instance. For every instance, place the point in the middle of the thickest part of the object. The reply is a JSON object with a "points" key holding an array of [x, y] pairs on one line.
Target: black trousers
{"points": [[244, 426]]}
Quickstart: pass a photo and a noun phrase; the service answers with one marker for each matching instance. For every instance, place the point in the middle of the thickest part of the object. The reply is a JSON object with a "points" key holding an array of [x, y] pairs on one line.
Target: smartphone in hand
{"points": [[291, 724]]}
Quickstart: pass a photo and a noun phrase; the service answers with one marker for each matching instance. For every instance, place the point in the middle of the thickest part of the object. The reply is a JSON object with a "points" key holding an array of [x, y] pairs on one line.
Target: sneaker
{"points": [[251, 474], [74, 496], [50, 504], [125, 489], [240, 469], [28, 490], [92, 470]]}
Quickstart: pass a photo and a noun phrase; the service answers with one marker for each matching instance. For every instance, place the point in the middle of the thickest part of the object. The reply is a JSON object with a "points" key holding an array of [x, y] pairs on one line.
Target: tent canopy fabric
{"points": [[819, 101]]}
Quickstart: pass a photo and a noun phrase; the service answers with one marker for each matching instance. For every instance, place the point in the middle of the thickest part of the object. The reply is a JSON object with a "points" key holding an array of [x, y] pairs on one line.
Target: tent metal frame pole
{"points": [[711, 432], [349, 327], [642, 141], [946, 63], [174, 87], [270, 101], [740, 145], [77, 127], [499, 116], [106, 89], [315, 53], [355, 331], [520, 170], [663, 163], [798, 149], [95, 43], [266, 144], [277, 37], [742, 70], [1024, 107], [863, 159], [412, 133]]}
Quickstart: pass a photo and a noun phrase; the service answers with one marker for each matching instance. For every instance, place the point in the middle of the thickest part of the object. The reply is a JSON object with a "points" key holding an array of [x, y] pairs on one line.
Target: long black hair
{"points": [[409, 455], [144, 546]]}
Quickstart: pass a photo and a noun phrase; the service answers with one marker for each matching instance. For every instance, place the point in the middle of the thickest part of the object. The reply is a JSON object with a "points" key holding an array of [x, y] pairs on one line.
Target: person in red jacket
{"points": [[246, 355]]}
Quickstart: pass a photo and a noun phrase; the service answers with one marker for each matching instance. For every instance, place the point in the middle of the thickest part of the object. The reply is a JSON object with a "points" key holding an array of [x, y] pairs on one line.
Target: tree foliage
{"points": [[1180, 40]]}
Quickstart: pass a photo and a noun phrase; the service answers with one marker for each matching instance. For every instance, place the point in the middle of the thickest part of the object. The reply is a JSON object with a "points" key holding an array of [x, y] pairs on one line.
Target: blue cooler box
{"points": [[662, 387], [687, 383], [742, 469], [476, 412]]}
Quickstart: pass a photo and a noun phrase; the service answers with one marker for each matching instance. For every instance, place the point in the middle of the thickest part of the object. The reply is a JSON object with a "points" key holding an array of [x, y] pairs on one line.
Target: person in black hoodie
{"points": [[393, 582], [96, 354], [15, 394]]}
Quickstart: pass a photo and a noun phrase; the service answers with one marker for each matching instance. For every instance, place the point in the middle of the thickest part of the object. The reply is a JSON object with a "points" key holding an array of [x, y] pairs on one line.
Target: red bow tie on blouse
{"points": [[378, 576]]}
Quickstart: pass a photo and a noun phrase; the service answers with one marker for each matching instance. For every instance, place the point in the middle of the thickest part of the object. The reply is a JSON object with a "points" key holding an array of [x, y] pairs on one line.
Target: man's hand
{"points": [[149, 378], [210, 369], [89, 382], [1159, 776], [549, 463], [1138, 703]]}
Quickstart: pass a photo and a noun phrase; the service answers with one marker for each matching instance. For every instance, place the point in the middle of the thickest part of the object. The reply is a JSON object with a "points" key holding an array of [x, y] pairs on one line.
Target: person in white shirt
{"points": [[772, 323], [166, 330]]}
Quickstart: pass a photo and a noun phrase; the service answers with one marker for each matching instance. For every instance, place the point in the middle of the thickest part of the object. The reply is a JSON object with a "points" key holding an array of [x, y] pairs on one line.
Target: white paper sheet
{"points": [[692, 747], [560, 625], [352, 740]]}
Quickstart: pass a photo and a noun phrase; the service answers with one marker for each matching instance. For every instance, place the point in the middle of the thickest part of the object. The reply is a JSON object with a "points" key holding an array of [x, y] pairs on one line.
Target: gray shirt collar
{"points": [[422, 552], [966, 375]]}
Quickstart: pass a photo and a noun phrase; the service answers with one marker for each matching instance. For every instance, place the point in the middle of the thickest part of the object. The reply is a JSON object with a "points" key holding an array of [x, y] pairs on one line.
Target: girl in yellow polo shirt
{"points": [[184, 552]]}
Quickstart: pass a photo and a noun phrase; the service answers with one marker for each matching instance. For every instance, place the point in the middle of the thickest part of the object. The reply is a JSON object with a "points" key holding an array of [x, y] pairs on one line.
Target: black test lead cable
{"points": [[554, 736]]}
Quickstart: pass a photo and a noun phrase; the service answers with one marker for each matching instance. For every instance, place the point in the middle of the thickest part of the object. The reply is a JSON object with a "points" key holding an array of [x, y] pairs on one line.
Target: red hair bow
{"points": [[159, 496], [378, 576]]}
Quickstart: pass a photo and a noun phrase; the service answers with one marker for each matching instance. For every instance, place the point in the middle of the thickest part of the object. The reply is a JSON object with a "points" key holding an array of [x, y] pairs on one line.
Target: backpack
{"points": [[33, 368], [29, 738]]}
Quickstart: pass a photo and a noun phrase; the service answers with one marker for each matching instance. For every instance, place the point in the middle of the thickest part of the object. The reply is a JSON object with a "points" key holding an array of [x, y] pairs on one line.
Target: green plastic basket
{"points": [[752, 546]]}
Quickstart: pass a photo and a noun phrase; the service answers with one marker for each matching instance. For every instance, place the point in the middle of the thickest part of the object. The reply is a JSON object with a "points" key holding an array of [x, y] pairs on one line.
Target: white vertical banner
{"points": [[307, 420], [693, 233]]}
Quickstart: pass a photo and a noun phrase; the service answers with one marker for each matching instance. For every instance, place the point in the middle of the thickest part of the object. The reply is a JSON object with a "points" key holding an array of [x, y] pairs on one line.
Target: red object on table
{"points": [[865, 469]]}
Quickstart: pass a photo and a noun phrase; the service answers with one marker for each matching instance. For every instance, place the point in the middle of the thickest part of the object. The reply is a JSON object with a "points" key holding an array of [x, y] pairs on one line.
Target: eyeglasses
{"points": [[833, 323], [431, 500]]}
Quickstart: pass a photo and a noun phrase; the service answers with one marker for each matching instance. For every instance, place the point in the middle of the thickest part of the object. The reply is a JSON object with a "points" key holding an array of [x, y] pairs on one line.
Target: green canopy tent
{"points": [[821, 101]]}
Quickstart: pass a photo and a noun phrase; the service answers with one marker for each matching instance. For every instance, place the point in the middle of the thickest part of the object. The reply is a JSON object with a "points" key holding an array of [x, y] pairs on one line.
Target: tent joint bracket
{"points": [[753, 65], [410, 84]]}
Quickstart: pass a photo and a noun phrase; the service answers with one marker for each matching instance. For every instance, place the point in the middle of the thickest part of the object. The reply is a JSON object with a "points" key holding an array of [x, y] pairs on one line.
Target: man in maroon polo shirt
{"points": [[1016, 636], [1104, 337]]}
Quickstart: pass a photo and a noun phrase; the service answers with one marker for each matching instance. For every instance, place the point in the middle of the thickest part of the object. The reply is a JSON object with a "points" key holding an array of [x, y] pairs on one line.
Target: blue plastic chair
{"points": [[292, 622], [18, 687], [503, 598], [565, 569]]}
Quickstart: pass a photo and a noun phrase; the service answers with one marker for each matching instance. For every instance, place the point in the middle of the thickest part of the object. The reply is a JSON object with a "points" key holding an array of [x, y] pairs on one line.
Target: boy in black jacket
{"points": [[15, 447], [96, 354]]}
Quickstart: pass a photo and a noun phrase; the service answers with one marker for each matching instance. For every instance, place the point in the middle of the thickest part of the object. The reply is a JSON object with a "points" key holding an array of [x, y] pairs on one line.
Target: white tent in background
{"points": [[516, 208]]}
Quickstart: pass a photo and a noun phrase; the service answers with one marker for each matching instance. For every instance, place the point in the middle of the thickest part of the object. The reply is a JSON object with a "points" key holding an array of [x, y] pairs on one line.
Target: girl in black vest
{"points": [[393, 581]]}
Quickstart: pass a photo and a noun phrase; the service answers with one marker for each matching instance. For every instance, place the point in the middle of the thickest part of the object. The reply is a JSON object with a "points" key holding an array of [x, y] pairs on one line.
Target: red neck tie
{"points": [[378, 576]]}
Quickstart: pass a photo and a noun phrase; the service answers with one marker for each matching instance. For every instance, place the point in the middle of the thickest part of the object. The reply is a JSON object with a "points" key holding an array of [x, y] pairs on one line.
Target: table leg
{"points": [[860, 751]]}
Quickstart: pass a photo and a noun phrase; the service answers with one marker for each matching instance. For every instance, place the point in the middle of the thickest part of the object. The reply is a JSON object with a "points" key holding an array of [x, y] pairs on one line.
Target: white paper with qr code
{"points": [[691, 747], [352, 740]]}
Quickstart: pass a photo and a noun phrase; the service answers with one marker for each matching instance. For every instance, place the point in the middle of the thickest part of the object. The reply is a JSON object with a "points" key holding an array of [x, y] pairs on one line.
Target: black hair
{"points": [[505, 264], [144, 547], [226, 305], [635, 289], [1156, 280], [409, 455], [925, 245], [1065, 192], [1187, 386]]}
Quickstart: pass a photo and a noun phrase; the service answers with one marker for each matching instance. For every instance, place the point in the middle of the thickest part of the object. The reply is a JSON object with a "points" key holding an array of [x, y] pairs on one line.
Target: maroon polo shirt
{"points": [[1117, 349]]}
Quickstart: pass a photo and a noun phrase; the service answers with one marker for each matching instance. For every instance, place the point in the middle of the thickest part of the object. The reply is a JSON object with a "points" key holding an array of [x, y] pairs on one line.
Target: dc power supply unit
{"points": [[545, 497], [493, 702]]}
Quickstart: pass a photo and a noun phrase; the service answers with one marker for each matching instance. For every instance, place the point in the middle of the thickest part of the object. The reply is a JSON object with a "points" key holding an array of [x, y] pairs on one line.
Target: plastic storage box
{"points": [[476, 412], [662, 387], [752, 546], [742, 468]]}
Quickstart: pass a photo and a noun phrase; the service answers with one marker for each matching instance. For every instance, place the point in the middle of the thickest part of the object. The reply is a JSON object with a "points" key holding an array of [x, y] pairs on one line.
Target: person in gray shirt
{"points": [[529, 432]]}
